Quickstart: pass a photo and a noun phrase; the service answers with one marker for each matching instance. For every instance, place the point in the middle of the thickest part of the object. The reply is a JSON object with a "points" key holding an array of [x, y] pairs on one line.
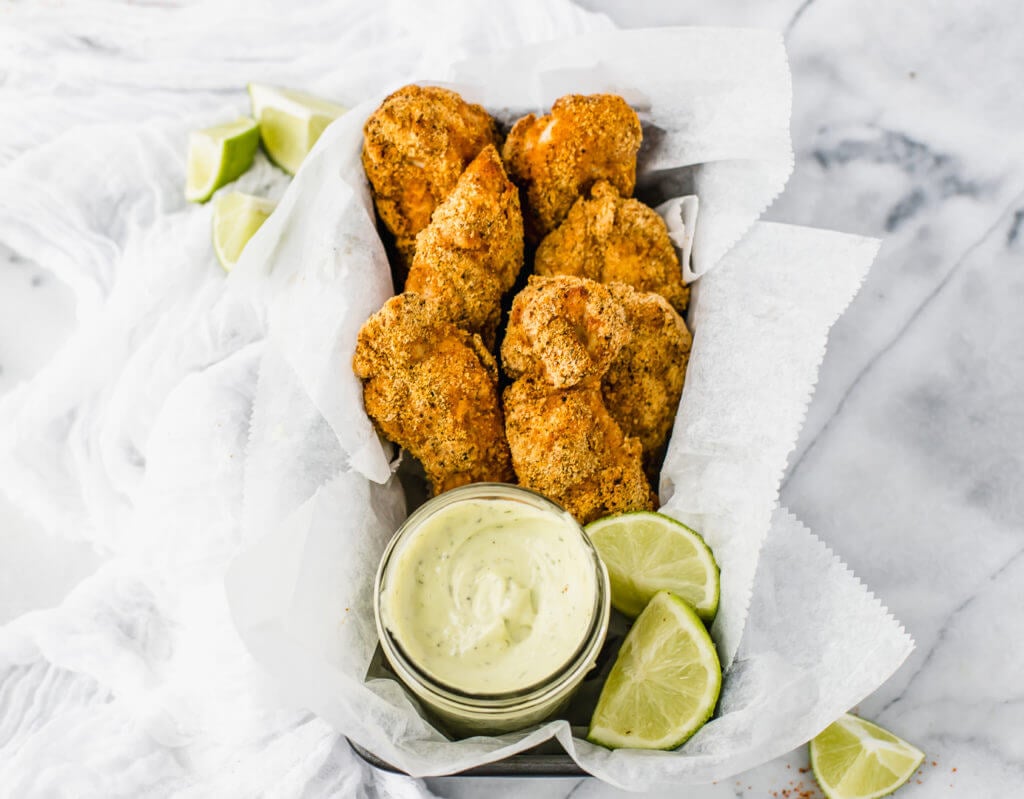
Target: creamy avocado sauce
{"points": [[491, 596]]}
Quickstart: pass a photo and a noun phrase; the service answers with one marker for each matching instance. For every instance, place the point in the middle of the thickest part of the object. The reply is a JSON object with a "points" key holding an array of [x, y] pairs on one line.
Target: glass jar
{"points": [[476, 710]]}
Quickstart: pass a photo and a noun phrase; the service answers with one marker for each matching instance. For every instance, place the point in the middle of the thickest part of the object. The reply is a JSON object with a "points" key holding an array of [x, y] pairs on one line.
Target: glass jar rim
{"points": [[582, 657]]}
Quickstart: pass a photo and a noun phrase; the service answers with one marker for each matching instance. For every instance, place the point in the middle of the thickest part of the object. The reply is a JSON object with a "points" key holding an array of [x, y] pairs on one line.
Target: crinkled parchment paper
{"points": [[319, 484]]}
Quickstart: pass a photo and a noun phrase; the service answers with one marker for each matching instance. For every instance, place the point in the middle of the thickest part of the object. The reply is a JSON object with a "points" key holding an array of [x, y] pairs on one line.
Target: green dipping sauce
{"points": [[491, 596]]}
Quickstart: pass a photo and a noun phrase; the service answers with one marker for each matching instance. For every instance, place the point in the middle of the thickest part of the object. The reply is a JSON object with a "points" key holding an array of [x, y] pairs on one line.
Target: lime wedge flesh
{"points": [[236, 217], [665, 681], [290, 122], [218, 155], [855, 759], [648, 552]]}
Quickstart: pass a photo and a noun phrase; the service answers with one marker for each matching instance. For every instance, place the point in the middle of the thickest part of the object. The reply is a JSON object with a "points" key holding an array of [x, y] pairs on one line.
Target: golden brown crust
{"points": [[644, 383], [563, 329], [415, 146], [599, 368], [608, 238], [566, 445], [471, 252], [433, 389], [555, 158]]}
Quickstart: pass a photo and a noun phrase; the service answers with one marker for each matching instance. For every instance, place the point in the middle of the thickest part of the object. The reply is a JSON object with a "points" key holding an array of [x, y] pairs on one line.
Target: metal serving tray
{"points": [[546, 760]]}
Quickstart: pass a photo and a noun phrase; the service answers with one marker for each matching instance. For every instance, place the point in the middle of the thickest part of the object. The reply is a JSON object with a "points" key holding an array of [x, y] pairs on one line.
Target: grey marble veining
{"points": [[908, 125]]}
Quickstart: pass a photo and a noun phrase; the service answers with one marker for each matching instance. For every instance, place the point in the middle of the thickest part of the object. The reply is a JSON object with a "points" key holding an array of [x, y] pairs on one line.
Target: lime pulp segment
{"points": [[236, 217], [648, 552], [855, 759], [664, 684], [290, 122]]}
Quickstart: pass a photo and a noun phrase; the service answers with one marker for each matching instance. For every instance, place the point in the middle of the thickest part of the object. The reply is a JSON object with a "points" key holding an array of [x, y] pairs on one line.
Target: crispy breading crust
{"points": [[564, 329], [415, 147], [433, 389], [555, 158], [608, 238], [471, 252], [644, 383], [566, 445], [563, 335]]}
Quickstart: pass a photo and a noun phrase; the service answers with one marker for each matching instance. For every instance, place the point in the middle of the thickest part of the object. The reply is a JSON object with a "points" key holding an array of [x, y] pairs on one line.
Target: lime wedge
{"points": [[855, 759], [290, 122], [664, 683], [236, 217], [218, 155], [648, 552]]}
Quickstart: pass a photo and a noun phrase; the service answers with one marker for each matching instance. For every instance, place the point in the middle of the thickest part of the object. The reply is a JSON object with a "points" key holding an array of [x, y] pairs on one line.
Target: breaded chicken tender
{"points": [[565, 330], [433, 389], [415, 146], [608, 238], [471, 252], [567, 446], [645, 380], [554, 159]]}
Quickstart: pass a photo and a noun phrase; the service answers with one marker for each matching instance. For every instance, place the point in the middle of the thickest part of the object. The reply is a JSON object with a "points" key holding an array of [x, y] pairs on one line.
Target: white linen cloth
{"points": [[133, 437]]}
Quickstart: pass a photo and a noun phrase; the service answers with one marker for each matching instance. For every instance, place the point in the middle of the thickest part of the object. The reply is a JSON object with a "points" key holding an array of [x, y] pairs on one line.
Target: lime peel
{"points": [[219, 155]]}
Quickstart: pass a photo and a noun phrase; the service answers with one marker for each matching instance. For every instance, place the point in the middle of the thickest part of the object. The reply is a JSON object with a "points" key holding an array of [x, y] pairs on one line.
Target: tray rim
{"points": [[523, 764]]}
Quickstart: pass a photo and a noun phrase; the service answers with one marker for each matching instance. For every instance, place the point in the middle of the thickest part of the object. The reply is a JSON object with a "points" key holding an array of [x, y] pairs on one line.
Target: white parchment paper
{"points": [[320, 496], [760, 322]]}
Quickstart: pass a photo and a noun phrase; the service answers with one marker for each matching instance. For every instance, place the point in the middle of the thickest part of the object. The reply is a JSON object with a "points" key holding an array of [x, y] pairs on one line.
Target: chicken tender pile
{"points": [[594, 344], [607, 237], [416, 145], [554, 159], [433, 389], [430, 380]]}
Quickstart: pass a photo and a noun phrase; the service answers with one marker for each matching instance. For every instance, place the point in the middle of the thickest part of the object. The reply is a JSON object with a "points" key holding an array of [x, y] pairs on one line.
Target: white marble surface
{"points": [[907, 125]]}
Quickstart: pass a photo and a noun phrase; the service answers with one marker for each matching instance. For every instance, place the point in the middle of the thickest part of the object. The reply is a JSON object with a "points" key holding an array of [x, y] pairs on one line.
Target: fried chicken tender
{"points": [[567, 446], [565, 330], [645, 380], [608, 238], [471, 252], [555, 158], [415, 146], [433, 389], [564, 334]]}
